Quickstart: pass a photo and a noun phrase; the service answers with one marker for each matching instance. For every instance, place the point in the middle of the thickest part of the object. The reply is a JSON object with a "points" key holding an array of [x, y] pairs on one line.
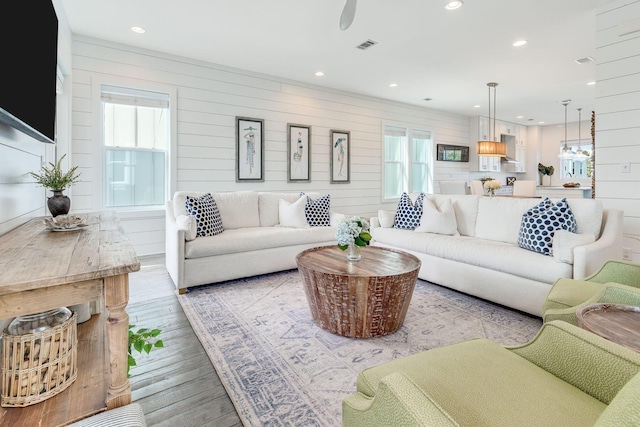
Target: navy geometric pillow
{"points": [[205, 209], [317, 211], [408, 215], [537, 229]]}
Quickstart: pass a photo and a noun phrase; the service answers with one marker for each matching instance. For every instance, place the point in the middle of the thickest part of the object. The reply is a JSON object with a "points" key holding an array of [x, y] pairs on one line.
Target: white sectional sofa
{"points": [[252, 243], [482, 258]]}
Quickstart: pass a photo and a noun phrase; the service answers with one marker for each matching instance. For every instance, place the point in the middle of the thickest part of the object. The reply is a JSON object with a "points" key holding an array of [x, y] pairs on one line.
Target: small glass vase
{"points": [[353, 253], [491, 192]]}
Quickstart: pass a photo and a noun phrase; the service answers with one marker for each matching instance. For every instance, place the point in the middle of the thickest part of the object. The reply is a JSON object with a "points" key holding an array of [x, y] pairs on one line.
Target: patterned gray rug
{"points": [[280, 369]]}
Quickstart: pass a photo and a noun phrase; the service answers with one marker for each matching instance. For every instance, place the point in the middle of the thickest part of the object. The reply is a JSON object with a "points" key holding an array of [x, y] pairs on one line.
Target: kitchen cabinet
{"points": [[489, 164]]}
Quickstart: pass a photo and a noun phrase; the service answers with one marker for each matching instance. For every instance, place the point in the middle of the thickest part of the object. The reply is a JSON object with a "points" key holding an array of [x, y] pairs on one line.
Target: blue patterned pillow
{"points": [[317, 211], [205, 210], [407, 214], [538, 226]]}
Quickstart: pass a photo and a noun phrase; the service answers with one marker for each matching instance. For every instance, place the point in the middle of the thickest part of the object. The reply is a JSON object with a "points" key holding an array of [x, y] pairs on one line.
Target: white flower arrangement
{"points": [[491, 186], [354, 230]]}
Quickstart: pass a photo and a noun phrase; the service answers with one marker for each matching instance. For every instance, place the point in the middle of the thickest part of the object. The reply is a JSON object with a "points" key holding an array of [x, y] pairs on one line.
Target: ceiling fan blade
{"points": [[348, 13]]}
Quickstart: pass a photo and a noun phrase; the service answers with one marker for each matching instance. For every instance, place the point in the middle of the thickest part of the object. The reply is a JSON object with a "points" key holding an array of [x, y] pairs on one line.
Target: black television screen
{"points": [[29, 52]]}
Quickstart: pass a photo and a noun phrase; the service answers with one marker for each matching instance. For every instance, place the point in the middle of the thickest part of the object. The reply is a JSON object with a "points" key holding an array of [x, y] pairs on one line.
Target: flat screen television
{"points": [[29, 57]]}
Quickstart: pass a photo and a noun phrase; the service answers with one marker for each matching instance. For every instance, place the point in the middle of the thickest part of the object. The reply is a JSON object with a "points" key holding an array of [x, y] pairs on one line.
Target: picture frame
{"points": [[298, 153], [340, 157], [249, 149], [452, 153], [511, 180]]}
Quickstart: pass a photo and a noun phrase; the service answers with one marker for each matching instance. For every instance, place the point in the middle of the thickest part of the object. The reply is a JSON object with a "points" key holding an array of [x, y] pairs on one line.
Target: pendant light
{"points": [[566, 153], [492, 148], [580, 156]]}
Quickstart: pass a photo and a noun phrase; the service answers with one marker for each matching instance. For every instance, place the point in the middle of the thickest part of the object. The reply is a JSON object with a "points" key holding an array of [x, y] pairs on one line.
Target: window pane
{"points": [[393, 148], [419, 154], [135, 178], [123, 126], [393, 180], [419, 178], [152, 127]]}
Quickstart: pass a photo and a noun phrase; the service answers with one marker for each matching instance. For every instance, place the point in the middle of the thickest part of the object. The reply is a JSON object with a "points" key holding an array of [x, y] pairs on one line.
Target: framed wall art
{"points": [[249, 149], [299, 153], [452, 153], [340, 156]]}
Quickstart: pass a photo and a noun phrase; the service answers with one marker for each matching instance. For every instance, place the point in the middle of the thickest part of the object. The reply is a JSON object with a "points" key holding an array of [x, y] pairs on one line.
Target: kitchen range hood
{"points": [[507, 159]]}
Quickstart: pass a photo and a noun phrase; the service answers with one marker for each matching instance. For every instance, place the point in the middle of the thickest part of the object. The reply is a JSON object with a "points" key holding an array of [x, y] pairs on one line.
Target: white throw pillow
{"points": [[336, 218], [187, 223], [438, 221], [292, 214], [564, 241], [386, 218]]}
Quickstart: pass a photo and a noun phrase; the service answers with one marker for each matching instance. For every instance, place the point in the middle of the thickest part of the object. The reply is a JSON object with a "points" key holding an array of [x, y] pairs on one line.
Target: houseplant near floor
{"points": [[142, 340], [54, 179]]}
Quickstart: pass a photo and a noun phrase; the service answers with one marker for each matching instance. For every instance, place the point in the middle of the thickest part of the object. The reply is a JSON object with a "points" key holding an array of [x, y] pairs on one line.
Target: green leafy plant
{"points": [[52, 177], [142, 340], [545, 170]]}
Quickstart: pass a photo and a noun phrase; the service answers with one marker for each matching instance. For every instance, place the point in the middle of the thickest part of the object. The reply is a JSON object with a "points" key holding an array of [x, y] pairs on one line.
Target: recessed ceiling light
{"points": [[540, 123], [453, 5], [138, 30], [427, 99], [476, 106], [585, 60], [393, 84], [319, 73], [591, 83], [519, 117], [519, 43]]}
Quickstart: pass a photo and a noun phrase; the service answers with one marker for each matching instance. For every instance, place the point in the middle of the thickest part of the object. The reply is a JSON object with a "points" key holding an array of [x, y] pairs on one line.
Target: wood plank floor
{"points": [[176, 385]]}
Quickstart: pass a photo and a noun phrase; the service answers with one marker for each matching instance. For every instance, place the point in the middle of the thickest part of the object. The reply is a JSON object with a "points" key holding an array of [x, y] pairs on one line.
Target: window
{"points": [[135, 127], [576, 166], [408, 161]]}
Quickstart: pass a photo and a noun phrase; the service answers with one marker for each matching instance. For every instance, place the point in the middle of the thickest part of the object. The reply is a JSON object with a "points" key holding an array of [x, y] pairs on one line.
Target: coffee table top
{"points": [[376, 261], [616, 322]]}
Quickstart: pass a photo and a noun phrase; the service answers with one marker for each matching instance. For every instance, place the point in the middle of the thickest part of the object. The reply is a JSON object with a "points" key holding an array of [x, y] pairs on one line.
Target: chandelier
{"points": [[492, 148]]}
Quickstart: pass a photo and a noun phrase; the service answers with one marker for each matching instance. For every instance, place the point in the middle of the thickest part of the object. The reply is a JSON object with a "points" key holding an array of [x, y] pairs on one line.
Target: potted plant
{"points": [[54, 179], [142, 340]]}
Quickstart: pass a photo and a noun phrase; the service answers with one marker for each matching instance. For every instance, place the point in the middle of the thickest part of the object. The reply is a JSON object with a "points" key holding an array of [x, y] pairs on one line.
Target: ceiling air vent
{"points": [[367, 44], [585, 60]]}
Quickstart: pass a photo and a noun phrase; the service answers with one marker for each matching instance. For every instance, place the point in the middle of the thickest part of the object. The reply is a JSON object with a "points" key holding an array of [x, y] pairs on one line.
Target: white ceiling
{"points": [[429, 52]]}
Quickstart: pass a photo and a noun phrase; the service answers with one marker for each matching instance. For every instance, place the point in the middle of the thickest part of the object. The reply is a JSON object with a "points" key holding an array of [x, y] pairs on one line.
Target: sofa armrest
{"points": [[587, 258], [589, 362], [611, 293], [624, 272], [398, 401], [374, 222], [174, 247]]}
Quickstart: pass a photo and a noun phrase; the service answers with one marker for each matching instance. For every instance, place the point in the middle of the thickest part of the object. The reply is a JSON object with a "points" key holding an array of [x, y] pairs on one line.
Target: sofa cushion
{"points": [[408, 214], [257, 238], [564, 241], [292, 214], [317, 210], [205, 211], [268, 205], [538, 228], [238, 209], [499, 256], [386, 218], [588, 215], [499, 218], [442, 221]]}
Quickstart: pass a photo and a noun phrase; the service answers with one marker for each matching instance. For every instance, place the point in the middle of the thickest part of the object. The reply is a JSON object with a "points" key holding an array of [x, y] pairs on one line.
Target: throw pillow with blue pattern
{"points": [[408, 214], [205, 210], [539, 225], [317, 211]]}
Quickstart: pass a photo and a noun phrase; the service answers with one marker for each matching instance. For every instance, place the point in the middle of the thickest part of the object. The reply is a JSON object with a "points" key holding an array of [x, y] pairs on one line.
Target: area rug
{"points": [[280, 369]]}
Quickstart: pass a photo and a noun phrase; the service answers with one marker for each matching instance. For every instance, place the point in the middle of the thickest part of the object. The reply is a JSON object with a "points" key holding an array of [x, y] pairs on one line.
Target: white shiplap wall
{"points": [[618, 114], [210, 96]]}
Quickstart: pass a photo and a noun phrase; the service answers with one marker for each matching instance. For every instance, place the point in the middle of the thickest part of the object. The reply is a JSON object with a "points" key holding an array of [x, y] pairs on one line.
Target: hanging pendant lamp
{"points": [[580, 156], [566, 153], [492, 148]]}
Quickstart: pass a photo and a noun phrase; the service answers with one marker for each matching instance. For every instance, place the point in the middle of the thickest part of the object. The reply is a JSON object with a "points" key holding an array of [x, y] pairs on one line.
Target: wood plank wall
{"points": [[209, 97], [618, 114]]}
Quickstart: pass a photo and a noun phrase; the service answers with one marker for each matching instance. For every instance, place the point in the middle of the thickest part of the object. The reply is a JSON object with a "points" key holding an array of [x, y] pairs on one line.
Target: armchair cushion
{"points": [[569, 292]]}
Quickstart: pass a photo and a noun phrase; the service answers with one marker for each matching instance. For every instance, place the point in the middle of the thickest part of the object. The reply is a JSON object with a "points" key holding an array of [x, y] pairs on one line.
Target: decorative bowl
{"points": [[571, 184], [65, 223]]}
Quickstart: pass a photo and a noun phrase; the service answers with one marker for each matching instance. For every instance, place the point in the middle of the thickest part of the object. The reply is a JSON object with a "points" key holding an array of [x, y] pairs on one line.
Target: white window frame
{"points": [[98, 199], [407, 162]]}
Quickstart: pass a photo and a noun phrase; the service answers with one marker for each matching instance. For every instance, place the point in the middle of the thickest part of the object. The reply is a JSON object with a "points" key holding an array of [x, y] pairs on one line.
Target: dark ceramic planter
{"points": [[58, 204]]}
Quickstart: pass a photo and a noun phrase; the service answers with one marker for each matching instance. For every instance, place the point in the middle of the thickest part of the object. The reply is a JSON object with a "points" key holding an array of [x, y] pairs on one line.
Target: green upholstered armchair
{"points": [[564, 376], [617, 282]]}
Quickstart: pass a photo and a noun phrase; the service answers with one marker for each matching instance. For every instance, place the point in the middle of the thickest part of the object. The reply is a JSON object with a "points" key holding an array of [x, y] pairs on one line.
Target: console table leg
{"points": [[116, 299]]}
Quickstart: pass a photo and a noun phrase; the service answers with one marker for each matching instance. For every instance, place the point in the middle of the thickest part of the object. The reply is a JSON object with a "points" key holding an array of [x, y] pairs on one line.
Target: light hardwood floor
{"points": [[176, 385]]}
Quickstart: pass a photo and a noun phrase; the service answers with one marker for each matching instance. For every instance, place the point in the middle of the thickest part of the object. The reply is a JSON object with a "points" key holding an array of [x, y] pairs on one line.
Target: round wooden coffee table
{"points": [[616, 322], [363, 299]]}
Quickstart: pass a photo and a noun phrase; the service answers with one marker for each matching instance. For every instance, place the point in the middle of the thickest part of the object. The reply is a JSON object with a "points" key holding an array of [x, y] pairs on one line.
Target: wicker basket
{"points": [[40, 365]]}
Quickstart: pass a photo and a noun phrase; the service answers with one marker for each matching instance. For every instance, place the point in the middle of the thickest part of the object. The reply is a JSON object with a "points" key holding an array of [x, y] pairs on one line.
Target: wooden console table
{"points": [[41, 270]]}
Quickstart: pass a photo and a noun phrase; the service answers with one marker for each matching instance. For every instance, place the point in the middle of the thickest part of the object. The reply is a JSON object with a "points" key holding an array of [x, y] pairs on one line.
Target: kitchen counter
{"points": [[559, 192]]}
